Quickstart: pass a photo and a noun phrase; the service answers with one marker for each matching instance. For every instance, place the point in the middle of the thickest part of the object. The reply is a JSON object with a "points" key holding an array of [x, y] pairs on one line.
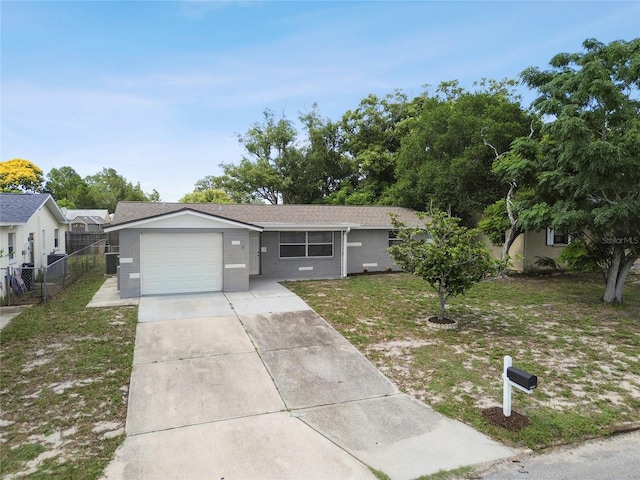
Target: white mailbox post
{"points": [[514, 377]]}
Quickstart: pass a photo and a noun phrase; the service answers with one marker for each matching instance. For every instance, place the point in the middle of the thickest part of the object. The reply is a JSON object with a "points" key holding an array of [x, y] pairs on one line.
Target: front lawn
{"points": [[586, 354], [64, 384]]}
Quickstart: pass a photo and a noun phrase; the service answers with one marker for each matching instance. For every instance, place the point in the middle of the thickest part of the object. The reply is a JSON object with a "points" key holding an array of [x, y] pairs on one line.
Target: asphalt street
{"points": [[616, 457]]}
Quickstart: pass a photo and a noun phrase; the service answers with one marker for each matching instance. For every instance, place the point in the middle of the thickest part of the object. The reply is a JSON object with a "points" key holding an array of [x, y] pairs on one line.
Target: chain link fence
{"points": [[27, 284]]}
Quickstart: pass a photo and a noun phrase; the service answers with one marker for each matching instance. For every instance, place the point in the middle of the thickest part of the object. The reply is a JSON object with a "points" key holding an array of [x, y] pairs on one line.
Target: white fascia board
{"points": [[56, 211], [146, 221], [378, 227], [308, 227], [50, 204]]}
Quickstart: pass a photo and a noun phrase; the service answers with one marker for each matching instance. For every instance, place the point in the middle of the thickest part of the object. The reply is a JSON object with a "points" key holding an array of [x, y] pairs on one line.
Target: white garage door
{"points": [[180, 262]]}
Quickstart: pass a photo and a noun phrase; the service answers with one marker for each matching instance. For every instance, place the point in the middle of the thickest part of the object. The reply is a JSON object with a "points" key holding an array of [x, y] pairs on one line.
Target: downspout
{"points": [[345, 236]]}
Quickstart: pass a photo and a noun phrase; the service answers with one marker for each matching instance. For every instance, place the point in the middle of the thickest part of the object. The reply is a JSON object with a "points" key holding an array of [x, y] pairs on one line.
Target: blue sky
{"points": [[158, 90]]}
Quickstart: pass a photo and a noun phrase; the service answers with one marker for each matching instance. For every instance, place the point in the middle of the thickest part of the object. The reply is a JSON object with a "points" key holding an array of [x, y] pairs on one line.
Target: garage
{"points": [[180, 263]]}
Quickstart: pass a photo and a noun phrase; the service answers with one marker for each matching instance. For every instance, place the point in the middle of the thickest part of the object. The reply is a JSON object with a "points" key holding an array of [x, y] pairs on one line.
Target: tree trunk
{"points": [[617, 275], [513, 231], [443, 301], [510, 237]]}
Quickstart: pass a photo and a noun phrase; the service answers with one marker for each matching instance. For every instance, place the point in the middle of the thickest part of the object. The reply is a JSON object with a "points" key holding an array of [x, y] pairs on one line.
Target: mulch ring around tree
{"points": [[445, 323], [514, 423]]}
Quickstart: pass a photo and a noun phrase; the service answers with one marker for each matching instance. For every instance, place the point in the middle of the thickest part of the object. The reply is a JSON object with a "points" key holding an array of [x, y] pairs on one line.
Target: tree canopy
{"points": [[107, 188], [207, 196], [19, 175], [265, 172], [68, 188], [443, 161], [420, 152], [585, 170], [102, 190]]}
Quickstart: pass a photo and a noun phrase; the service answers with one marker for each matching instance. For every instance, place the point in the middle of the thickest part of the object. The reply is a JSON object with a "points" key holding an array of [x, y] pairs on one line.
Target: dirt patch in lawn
{"points": [[514, 422]]}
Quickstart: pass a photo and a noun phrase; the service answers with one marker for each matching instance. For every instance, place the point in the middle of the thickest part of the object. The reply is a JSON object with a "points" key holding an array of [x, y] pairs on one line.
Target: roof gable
{"points": [[183, 218], [19, 208]]}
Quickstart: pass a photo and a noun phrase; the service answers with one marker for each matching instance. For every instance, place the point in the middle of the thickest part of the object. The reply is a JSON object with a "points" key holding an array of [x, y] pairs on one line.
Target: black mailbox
{"points": [[522, 378]]}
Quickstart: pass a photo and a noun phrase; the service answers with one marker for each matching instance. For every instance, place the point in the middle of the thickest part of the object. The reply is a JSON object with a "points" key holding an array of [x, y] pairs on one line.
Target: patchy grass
{"points": [[64, 385], [463, 472], [586, 354]]}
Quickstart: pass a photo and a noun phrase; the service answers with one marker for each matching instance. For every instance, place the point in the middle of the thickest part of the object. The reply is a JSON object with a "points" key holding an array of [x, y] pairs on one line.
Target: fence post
{"points": [[44, 285]]}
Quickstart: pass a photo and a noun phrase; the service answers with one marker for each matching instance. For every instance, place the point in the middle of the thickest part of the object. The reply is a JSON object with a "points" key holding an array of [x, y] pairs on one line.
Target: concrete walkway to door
{"points": [[256, 385]]}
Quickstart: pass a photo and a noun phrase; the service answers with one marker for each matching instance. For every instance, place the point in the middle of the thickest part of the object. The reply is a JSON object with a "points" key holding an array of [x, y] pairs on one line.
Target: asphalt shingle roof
{"points": [[266, 215], [72, 213], [20, 207], [90, 220]]}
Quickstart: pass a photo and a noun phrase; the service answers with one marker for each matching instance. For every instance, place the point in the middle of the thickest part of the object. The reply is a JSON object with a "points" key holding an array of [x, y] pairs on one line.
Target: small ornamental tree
{"points": [[445, 254]]}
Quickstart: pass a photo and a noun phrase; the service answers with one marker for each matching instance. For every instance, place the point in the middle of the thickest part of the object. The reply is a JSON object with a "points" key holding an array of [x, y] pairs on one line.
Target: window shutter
{"points": [[549, 236]]}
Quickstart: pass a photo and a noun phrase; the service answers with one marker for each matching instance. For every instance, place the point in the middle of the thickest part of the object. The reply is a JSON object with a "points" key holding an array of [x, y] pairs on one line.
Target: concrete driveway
{"points": [[256, 385]]}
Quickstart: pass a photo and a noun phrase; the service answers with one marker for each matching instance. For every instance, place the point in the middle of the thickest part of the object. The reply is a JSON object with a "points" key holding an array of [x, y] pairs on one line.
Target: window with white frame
{"points": [[11, 245], [393, 238], [306, 244], [557, 237], [56, 238]]}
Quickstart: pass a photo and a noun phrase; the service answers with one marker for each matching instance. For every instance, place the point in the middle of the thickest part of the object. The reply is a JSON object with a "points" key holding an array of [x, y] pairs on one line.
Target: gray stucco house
{"points": [[180, 248]]}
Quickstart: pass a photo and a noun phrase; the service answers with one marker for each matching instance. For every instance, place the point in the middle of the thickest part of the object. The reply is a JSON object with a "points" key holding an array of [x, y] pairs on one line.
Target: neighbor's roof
{"points": [[89, 220], [71, 214], [18, 208], [267, 216]]}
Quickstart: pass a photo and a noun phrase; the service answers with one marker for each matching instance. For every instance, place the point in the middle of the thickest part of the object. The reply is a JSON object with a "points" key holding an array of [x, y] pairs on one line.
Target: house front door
{"points": [[254, 253]]}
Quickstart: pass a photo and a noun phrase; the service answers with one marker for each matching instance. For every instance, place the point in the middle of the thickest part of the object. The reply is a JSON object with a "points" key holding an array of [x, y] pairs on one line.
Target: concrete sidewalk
{"points": [[255, 385], [8, 313], [108, 296]]}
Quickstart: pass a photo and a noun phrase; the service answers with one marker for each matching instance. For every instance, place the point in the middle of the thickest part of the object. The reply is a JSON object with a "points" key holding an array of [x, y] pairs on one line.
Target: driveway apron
{"points": [[255, 385]]}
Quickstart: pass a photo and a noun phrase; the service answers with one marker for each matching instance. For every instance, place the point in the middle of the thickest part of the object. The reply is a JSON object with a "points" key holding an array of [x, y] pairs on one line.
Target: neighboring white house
{"points": [[32, 226]]}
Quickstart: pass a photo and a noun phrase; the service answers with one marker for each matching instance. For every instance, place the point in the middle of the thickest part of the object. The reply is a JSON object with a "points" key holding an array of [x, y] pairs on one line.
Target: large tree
{"points": [[19, 175], [372, 135], [281, 168], [265, 172], [68, 188], [501, 220], [225, 184], [207, 196], [107, 188], [587, 167], [444, 162], [323, 167]]}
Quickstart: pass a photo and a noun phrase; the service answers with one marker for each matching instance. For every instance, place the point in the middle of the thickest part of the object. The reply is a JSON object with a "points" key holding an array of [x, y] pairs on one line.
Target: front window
{"points": [[12, 245], [557, 237], [306, 244], [560, 237], [393, 238]]}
